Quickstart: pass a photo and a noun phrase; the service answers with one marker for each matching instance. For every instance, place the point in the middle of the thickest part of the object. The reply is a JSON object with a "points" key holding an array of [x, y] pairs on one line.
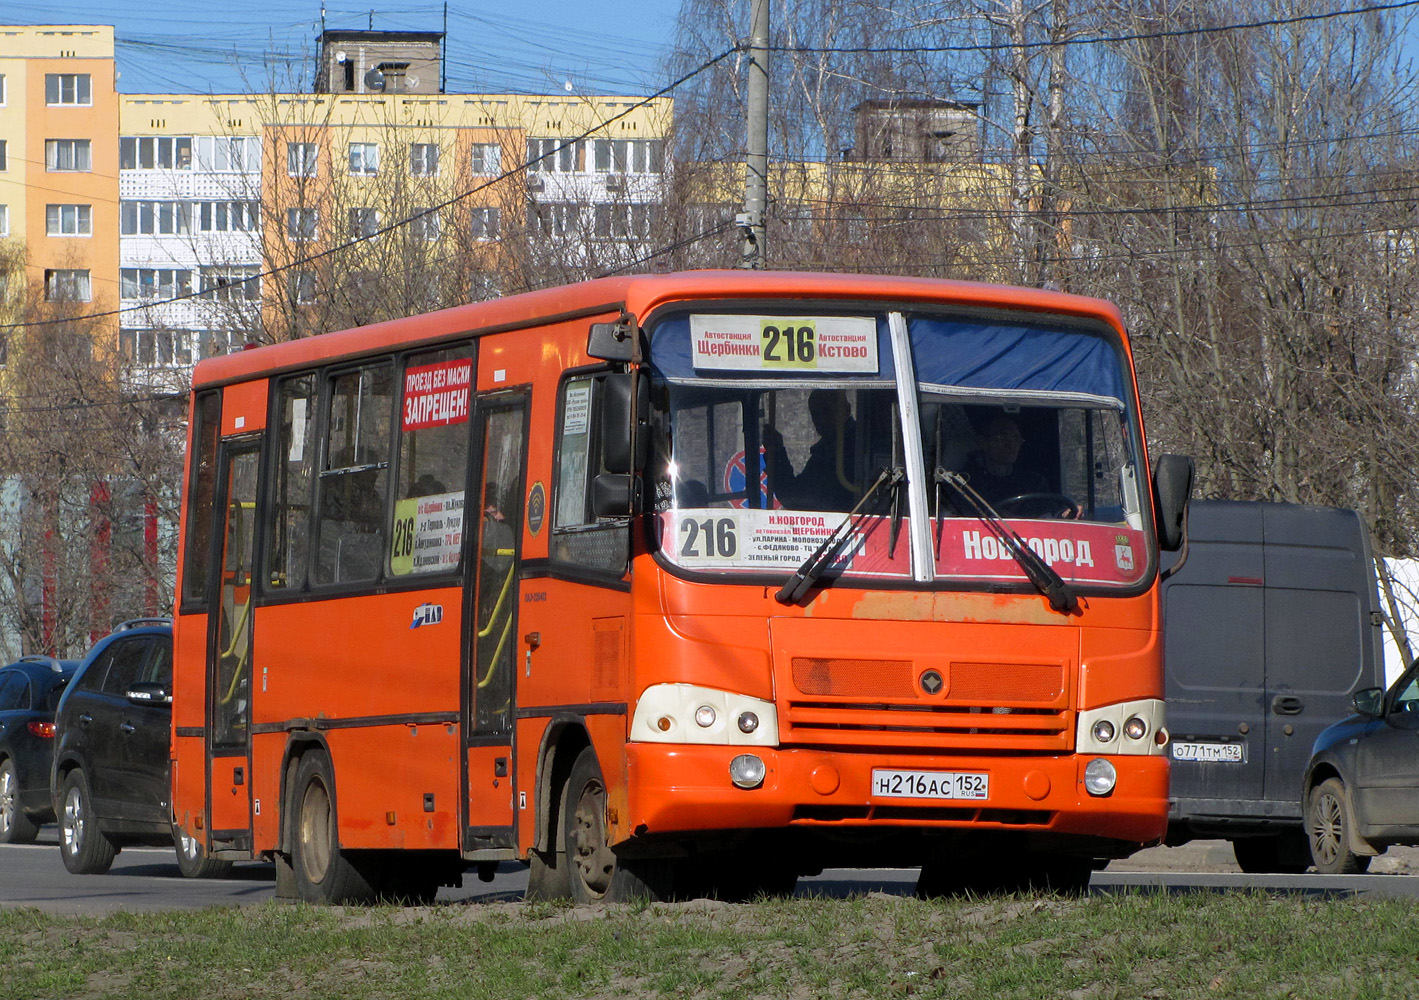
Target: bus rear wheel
{"points": [[323, 872], [596, 873]]}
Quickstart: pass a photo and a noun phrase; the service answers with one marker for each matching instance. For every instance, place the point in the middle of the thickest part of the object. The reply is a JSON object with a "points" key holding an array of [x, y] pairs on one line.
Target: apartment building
{"points": [[58, 166], [200, 222]]}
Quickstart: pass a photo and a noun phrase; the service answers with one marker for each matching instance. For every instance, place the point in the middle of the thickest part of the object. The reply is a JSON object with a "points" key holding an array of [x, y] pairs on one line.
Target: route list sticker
{"points": [[784, 343]]}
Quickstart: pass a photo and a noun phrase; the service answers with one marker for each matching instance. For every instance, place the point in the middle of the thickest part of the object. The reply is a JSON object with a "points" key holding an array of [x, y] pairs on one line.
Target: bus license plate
{"points": [[929, 784]]}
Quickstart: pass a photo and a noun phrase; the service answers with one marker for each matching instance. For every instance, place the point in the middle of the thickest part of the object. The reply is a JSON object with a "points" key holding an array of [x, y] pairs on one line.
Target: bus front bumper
{"points": [[678, 788]]}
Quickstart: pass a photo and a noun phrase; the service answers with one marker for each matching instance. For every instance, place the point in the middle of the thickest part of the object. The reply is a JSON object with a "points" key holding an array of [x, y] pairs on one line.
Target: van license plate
{"points": [[930, 784], [1225, 753]]}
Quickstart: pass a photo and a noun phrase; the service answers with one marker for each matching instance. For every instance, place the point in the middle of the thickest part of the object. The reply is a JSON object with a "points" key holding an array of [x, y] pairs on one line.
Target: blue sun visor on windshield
{"points": [[991, 355]]}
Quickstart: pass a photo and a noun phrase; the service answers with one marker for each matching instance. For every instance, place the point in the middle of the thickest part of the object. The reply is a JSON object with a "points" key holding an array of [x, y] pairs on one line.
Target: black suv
{"points": [[112, 765], [29, 691]]}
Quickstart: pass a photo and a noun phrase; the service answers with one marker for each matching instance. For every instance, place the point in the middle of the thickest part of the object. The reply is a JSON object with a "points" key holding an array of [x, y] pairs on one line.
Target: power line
{"points": [[1097, 39]]}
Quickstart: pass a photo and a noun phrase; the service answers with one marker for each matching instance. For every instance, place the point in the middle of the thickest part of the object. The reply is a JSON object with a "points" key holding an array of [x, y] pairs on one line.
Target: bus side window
{"points": [[433, 463], [196, 571], [354, 480], [286, 566], [579, 537]]}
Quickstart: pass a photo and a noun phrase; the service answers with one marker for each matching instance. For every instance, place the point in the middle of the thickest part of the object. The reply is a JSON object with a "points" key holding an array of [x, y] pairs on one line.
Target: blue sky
{"points": [[232, 46]]}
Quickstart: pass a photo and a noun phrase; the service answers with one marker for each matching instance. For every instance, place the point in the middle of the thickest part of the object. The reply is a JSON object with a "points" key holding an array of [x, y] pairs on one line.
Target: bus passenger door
{"points": [[489, 689], [229, 649]]}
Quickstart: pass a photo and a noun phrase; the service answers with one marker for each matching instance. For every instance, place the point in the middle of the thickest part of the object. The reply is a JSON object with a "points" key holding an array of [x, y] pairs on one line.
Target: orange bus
{"points": [[767, 572]]}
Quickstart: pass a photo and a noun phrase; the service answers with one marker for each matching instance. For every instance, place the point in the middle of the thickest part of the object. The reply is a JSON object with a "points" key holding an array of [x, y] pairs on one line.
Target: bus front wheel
{"points": [[323, 872], [596, 873]]}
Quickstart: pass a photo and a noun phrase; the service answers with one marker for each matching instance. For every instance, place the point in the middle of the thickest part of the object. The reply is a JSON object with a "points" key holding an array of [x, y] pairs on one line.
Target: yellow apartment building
{"points": [[59, 165]]}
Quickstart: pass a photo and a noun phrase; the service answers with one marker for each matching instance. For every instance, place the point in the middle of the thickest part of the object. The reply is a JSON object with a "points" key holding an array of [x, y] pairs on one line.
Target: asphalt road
{"points": [[148, 879]]}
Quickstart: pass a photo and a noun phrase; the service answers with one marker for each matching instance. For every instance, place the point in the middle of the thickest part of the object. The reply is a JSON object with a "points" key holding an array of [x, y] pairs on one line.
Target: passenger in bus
{"points": [[816, 486], [996, 472]]}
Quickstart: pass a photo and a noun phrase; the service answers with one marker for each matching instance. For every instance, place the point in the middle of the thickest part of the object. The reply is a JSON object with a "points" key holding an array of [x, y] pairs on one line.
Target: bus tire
{"points": [[547, 877], [595, 873], [192, 860], [323, 872], [85, 849]]}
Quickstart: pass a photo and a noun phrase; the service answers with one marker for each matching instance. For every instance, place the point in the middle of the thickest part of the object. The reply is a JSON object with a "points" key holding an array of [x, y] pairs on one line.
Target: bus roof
{"points": [[638, 294]]}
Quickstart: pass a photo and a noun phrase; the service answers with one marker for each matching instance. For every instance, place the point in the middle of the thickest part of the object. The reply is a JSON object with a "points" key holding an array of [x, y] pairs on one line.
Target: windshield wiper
{"points": [[1061, 596], [807, 574]]}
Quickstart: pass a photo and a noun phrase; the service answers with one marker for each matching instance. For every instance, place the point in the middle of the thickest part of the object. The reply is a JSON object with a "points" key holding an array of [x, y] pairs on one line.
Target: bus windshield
{"points": [[769, 429]]}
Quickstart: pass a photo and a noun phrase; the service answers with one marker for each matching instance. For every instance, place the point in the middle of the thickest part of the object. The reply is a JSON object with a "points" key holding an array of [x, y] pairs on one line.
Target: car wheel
{"points": [[85, 848], [596, 873], [323, 872], [15, 826], [1328, 825], [192, 860]]}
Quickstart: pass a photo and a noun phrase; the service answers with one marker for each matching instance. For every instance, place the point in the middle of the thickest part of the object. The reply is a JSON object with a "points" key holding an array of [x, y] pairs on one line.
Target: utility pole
{"points": [[756, 163]]}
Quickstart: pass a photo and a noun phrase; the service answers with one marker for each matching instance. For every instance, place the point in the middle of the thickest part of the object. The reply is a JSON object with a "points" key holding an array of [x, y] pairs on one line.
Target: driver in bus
{"points": [[996, 472]]}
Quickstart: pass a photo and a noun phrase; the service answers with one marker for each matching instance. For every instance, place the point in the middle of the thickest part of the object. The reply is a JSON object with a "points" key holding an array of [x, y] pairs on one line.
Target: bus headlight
{"points": [[1141, 722], [1099, 776], [689, 713]]}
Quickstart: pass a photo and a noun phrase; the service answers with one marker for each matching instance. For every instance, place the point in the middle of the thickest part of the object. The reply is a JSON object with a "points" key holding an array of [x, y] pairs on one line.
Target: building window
{"points": [[558, 156], [364, 158], [156, 348], [231, 284], [229, 217], [4, 220], [424, 159], [486, 220], [553, 218], [302, 223], [145, 218], [4, 159], [424, 224], [68, 154], [2, 89], [155, 152], [66, 285], [67, 88], [300, 159], [629, 156], [68, 220], [364, 222], [154, 283], [487, 159], [228, 154], [302, 287], [619, 221]]}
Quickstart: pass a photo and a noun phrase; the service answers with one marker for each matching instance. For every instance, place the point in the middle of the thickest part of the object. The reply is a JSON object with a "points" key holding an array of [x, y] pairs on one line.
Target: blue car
{"points": [[1361, 791], [29, 693]]}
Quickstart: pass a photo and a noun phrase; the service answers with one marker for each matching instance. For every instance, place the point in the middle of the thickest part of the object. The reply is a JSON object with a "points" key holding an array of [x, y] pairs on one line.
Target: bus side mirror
{"points": [[623, 447], [1172, 489], [612, 494], [612, 341]]}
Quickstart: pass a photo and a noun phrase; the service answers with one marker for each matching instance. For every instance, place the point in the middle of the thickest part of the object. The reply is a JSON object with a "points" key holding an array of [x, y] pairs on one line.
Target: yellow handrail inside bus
{"points": [[502, 596], [241, 662]]}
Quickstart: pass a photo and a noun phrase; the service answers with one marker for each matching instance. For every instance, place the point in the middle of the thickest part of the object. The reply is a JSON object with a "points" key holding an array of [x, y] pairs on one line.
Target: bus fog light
{"points": [[1103, 731], [748, 722], [747, 771], [1135, 728], [1099, 776], [704, 716]]}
